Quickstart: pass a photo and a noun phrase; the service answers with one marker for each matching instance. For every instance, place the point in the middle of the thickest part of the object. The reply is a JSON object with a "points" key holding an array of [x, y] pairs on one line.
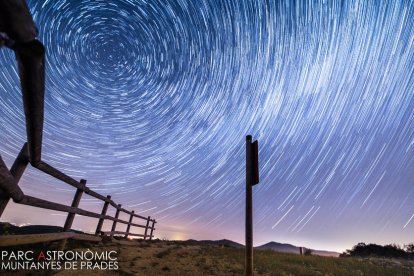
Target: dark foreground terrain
{"points": [[197, 258]]}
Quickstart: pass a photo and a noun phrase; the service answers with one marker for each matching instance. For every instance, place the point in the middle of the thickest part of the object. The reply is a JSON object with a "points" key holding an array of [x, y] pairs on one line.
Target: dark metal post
{"points": [[103, 213], [129, 224], [146, 228], [249, 208], [152, 228], [75, 203], [16, 171], [118, 210]]}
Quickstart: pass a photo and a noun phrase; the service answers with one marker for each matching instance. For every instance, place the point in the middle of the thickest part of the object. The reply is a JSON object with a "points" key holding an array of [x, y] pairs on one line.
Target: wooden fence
{"points": [[19, 197], [30, 55]]}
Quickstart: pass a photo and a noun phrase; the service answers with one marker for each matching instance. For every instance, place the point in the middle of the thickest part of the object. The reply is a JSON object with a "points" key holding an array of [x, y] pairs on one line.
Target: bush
{"points": [[390, 250], [308, 252], [409, 248]]}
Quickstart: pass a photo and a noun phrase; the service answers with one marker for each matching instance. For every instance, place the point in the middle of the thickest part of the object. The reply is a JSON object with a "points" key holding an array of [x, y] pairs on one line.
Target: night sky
{"points": [[150, 101]]}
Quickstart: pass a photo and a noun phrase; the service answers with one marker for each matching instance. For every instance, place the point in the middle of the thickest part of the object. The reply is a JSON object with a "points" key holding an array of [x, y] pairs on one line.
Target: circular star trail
{"points": [[150, 101]]}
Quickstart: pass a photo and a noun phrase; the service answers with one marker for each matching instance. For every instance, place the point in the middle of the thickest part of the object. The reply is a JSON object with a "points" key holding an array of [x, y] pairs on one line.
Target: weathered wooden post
{"points": [[301, 250], [152, 228], [75, 204], [146, 227], [252, 178], [103, 213], [16, 172], [129, 224], [31, 63], [71, 216], [118, 210], [18, 23]]}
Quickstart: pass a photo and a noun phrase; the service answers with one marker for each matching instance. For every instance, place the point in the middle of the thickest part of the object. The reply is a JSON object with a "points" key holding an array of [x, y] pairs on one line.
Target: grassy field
{"points": [[181, 258]]}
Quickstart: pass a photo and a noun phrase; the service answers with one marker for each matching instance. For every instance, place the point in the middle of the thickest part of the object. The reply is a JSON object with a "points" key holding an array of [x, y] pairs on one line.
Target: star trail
{"points": [[150, 101]]}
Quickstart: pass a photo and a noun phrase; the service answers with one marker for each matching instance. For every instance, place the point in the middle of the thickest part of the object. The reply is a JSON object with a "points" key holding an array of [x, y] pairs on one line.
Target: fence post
{"points": [[152, 228], [71, 216], [252, 178], [146, 227], [103, 213], [129, 224], [249, 210], [31, 64], [118, 210], [75, 203], [16, 171]]}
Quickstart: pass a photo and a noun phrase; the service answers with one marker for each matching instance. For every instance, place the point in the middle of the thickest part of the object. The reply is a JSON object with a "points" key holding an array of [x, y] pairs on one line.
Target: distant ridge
{"points": [[10, 229], [224, 242], [280, 247], [275, 246], [7, 228], [288, 248]]}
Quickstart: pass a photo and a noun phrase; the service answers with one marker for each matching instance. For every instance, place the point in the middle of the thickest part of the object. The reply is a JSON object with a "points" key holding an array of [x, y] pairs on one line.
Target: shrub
{"points": [[409, 248], [390, 251], [307, 252]]}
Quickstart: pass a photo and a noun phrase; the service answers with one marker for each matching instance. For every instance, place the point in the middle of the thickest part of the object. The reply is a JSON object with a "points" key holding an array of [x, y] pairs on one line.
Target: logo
{"points": [[58, 260]]}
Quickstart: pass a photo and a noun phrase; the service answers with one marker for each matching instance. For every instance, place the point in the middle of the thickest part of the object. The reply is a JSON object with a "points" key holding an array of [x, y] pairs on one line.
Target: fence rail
{"points": [[20, 198]]}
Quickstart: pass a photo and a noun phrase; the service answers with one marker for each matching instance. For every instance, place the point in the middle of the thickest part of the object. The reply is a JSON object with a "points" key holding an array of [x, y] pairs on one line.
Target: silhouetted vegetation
{"points": [[409, 248], [308, 252], [389, 251]]}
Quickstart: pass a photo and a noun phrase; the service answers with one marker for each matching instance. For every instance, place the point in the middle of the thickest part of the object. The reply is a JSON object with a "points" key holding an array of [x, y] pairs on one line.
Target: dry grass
{"points": [[179, 258]]}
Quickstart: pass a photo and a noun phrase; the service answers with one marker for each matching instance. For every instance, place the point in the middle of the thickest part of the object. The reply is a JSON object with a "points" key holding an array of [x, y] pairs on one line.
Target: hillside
{"points": [[288, 248], [10, 229]]}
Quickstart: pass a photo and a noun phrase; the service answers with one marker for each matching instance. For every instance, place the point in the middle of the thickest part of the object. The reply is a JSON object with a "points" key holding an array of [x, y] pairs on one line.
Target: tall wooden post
{"points": [[152, 228], [249, 209], [103, 213], [16, 171], [75, 203], [252, 178], [118, 210], [146, 228], [129, 224]]}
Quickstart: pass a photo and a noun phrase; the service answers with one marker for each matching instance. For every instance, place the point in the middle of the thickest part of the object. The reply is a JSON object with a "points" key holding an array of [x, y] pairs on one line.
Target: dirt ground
{"points": [[164, 258]]}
